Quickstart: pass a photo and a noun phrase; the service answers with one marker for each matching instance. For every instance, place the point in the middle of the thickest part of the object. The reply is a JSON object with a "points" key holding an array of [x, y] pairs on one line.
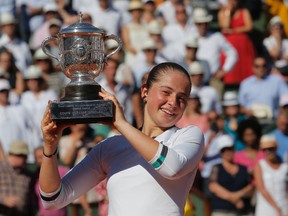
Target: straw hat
{"points": [[18, 147], [135, 5], [230, 98], [149, 44], [201, 15], [33, 72], [192, 42], [195, 68], [7, 18]]}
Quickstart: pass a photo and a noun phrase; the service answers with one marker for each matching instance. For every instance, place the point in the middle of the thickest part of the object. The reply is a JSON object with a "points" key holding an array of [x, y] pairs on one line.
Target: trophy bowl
{"points": [[82, 59]]}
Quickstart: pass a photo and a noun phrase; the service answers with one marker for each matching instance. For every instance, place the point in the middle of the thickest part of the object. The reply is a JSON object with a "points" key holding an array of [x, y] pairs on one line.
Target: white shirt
{"points": [[271, 43], [134, 186], [20, 51], [209, 99], [175, 37], [210, 48]]}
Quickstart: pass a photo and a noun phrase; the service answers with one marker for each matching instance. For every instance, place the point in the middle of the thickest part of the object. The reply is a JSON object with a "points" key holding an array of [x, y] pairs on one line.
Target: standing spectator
{"points": [[249, 133], [35, 99], [270, 177], [176, 34], [235, 24], [15, 122], [149, 12], [15, 45], [281, 134], [217, 44], [259, 94], [17, 196], [134, 33], [230, 183], [276, 45]]}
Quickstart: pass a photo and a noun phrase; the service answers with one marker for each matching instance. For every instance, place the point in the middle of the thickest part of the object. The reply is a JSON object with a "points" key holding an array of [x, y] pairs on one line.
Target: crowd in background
{"points": [[236, 52]]}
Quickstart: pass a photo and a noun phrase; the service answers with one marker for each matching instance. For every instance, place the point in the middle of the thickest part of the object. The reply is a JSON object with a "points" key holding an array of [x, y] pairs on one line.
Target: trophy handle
{"points": [[117, 39], [44, 48]]}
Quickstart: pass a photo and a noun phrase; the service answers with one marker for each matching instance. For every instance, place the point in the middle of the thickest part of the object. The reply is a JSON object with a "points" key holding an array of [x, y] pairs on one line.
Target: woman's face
{"points": [[231, 110], [166, 99], [249, 137], [33, 85], [5, 60]]}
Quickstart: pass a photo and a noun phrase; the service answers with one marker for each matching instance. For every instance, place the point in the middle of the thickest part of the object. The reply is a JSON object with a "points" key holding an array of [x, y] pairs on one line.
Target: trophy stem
{"points": [[82, 87]]}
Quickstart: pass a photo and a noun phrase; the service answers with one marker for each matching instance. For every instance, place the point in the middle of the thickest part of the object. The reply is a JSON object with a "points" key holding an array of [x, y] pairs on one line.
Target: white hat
{"points": [[230, 98], [192, 42], [149, 44], [283, 100], [4, 84], [194, 94], [195, 68], [262, 111], [268, 138], [225, 141], [18, 147], [201, 15], [135, 5], [275, 20], [40, 55], [50, 7], [33, 72], [7, 18], [55, 22], [154, 27]]}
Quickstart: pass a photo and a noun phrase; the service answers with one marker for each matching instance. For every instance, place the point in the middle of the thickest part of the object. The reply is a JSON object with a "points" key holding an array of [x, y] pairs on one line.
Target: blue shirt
{"points": [[282, 140], [266, 91]]}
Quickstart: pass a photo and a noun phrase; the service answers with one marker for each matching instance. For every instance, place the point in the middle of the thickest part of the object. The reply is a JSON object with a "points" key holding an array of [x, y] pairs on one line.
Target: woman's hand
{"points": [[118, 110], [51, 131]]}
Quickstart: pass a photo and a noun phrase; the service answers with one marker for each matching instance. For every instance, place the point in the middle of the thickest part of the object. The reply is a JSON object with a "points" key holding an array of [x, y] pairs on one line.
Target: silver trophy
{"points": [[82, 58]]}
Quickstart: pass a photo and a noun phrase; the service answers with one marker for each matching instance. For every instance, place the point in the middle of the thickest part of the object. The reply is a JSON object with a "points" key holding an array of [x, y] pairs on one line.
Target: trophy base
{"points": [[82, 112]]}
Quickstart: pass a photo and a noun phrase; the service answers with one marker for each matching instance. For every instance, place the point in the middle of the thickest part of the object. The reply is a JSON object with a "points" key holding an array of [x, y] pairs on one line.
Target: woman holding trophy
{"points": [[150, 170]]}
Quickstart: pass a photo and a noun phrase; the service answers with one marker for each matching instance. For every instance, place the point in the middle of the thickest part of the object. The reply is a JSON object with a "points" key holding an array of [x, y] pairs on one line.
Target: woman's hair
{"points": [[162, 69], [253, 124], [13, 68]]}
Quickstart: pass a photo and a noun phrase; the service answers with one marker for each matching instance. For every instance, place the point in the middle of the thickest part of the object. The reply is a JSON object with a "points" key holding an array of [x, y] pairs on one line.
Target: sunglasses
{"points": [[227, 149], [269, 149], [260, 65]]}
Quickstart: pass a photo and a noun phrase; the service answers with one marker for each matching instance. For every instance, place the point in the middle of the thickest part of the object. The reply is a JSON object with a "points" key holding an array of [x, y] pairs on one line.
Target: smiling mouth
{"points": [[168, 112]]}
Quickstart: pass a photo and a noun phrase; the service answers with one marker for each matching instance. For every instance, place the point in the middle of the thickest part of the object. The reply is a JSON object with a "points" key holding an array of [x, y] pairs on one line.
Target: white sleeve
{"points": [[230, 53], [182, 156], [91, 171]]}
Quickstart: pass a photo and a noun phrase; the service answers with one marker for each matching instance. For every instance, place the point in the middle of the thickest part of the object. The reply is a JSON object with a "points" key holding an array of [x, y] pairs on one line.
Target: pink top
{"points": [[241, 158], [201, 121], [44, 212]]}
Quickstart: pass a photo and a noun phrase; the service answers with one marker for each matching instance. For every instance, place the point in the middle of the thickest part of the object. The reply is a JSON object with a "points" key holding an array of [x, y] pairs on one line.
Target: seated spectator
{"points": [[276, 45], [17, 182], [281, 134], [233, 117], [271, 180], [230, 183], [249, 133], [259, 94]]}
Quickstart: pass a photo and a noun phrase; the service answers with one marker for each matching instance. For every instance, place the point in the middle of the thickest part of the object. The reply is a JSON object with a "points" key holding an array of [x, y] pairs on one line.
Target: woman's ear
{"points": [[144, 92]]}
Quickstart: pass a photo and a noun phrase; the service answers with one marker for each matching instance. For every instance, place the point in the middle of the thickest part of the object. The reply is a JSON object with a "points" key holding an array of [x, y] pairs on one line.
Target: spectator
{"points": [[17, 196], [134, 33], [15, 45], [235, 23], [230, 183], [217, 45], [176, 34], [15, 122], [233, 117], [11, 72], [50, 12], [281, 134], [191, 56], [123, 93], [38, 154], [270, 177], [249, 133], [259, 94], [210, 102], [276, 45], [35, 99]]}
